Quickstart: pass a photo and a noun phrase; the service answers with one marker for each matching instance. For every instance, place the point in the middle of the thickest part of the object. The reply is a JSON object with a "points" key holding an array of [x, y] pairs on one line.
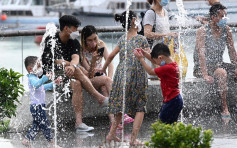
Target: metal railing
{"points": [[103, 30], [8, 33]]}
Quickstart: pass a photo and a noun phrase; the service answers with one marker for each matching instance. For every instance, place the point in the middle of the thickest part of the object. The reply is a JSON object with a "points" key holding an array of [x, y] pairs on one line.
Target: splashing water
{"points": [[51, 30], [129, 3], [181, 19]]}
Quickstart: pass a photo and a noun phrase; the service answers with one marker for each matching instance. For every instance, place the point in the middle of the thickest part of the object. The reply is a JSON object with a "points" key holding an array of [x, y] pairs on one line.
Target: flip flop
{"points": [[127, 119], [225, 116]]}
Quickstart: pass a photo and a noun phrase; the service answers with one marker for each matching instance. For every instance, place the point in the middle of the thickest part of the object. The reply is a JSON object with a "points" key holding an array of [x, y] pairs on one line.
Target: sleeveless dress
{"points": [[136, 79], [214, 50]]}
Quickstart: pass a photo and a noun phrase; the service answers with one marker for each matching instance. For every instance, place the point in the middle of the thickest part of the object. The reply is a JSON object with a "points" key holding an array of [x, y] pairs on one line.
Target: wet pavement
{"points": [[224, 136]]}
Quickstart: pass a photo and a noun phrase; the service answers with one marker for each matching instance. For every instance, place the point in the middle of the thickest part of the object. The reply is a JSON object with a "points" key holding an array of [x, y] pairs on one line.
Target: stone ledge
{"points": [[197, 94]]}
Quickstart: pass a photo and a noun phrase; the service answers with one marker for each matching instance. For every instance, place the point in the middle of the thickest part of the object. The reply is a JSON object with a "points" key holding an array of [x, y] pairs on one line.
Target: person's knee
{"points": [[108, 79], [220, 73]]}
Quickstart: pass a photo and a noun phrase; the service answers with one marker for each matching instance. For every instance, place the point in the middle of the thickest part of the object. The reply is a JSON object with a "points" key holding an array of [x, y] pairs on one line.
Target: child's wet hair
{"points": [[30, 61], [122, 18], [69, 20], [160, 49]]}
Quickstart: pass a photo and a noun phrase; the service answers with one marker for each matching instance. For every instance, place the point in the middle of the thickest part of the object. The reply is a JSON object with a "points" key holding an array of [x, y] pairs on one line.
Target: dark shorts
{"points": [[170, 110]]}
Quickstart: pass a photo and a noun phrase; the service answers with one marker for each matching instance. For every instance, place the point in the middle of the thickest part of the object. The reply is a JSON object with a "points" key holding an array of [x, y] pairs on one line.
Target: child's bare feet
{"points": [[109, 138], [26, 143], [136, 143]]}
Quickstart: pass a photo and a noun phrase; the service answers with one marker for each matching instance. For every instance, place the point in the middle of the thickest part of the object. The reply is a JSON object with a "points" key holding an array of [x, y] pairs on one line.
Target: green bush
{"points": [[4, 126], [179, 135], [10, 90]]}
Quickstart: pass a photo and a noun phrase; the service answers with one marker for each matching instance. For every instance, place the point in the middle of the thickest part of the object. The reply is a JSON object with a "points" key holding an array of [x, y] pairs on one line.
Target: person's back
{"points": [[169, 78]]}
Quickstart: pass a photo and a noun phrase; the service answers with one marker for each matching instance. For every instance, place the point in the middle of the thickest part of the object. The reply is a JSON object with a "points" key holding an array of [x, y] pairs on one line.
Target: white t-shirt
{"points": [[162, 23]]}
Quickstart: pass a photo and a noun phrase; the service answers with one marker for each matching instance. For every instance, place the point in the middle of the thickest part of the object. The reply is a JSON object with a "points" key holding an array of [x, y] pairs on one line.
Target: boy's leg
{"points": [[34, 130], [87, 85], [136, 127], [170, 110], [45, 125]]}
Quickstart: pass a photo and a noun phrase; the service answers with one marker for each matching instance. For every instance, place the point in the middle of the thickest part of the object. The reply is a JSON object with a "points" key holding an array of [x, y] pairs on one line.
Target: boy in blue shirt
{"points": [[37, 97]]}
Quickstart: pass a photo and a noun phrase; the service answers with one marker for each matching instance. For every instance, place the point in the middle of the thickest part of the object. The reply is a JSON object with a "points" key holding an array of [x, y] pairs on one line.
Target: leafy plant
{"points": [[178, 135], [10, 90], [4, 126]]}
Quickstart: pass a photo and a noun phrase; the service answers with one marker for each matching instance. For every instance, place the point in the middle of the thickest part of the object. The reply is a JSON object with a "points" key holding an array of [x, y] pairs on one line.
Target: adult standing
{"points": [[66, 59], [158, 17], [156, 24], [211, 40]]}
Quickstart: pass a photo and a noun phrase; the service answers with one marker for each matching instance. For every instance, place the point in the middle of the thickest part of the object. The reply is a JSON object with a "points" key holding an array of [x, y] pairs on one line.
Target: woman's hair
{"points": [[85, 33], [160, 49], [151, 1], [122, 18]]}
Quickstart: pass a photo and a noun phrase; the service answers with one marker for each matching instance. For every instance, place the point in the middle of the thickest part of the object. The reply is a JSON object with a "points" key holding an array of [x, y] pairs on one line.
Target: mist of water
{"points": [[51, 30], [129, 3]]}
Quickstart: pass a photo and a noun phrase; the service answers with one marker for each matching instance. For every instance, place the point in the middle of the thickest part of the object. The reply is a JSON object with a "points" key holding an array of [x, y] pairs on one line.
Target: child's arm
{"points": [[110, 58], [49, 86], [37, 83], [147, 54], [148, 69]]}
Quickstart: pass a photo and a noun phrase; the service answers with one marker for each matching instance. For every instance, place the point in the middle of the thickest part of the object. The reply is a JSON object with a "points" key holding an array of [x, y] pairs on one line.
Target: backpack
{"points": [[150, 41]]}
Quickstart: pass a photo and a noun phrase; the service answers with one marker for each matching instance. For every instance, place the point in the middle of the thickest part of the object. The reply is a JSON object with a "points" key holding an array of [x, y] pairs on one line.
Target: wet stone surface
{"points": [[224, 135]]}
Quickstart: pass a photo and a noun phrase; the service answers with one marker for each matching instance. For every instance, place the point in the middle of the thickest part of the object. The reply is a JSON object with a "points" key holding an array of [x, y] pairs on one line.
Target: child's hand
{"points": [[148, 50], [49, 75], [138, 54], [58, 80]]}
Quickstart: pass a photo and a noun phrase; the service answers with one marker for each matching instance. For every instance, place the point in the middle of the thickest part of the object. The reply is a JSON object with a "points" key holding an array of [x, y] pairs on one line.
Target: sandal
{"points": [[127, 119], [226, 118]]}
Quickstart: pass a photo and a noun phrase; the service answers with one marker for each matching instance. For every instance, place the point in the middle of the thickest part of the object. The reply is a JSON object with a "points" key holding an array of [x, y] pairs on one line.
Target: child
{"points": [[136, 81], [37, 96], [89, 51], [168, 72]]}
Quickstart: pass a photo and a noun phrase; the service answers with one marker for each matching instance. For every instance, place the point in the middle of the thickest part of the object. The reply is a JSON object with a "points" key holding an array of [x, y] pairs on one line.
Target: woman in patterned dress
{"points": [[136, 81]]}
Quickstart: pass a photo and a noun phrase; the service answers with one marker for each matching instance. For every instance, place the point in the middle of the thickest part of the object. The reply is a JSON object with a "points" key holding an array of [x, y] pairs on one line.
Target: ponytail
{"points": [[122, 18]]}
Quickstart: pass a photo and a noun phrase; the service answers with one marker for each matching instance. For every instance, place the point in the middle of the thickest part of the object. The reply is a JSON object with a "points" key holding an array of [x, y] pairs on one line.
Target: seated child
{"points": [[37, 96], [168, 72]]}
